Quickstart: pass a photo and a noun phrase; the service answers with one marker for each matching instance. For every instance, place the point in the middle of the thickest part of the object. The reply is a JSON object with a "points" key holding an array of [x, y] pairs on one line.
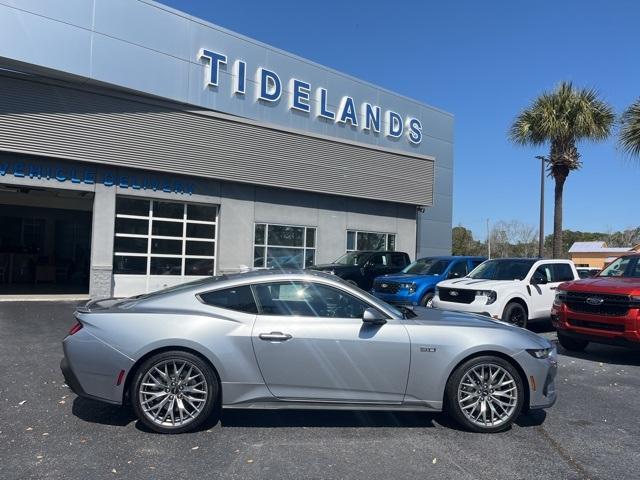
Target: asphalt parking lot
{"points": [[46, 432]]}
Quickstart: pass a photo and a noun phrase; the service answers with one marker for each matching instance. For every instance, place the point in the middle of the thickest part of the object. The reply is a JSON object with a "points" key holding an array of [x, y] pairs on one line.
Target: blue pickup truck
{"points": [[416, 284]]}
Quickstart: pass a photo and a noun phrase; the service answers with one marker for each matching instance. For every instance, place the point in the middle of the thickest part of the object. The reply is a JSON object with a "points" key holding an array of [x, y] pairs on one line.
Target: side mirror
{"points": [[373, 317]]}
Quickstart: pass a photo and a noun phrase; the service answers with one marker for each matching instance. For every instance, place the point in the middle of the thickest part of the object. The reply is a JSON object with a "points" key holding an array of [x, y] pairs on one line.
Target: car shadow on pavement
{"points": [[606, 354], [103, 413], [542, 325], [328, 418]]}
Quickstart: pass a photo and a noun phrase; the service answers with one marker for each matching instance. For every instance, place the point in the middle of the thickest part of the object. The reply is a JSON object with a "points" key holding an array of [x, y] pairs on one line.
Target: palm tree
{"points": [[561, 119], [630, 129]]}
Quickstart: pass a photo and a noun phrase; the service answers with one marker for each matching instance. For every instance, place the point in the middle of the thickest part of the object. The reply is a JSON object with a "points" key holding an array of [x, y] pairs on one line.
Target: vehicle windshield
{"points": [[502, 269], [427, 266], [351, 258], [627, 267]]}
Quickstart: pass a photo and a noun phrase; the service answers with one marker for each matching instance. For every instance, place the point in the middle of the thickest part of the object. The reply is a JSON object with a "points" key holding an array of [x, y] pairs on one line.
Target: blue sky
{"points": [[483, 62]]}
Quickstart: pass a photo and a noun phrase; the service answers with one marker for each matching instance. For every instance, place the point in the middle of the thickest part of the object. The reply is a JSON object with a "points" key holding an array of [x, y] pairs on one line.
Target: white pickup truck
{"points": [[514, 290]]}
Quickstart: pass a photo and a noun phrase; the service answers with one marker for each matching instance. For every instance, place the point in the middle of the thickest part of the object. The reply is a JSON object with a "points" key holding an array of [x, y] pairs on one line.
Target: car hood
{"points": [[409, 277], [434, 316], [477, 284], [613, 285]]}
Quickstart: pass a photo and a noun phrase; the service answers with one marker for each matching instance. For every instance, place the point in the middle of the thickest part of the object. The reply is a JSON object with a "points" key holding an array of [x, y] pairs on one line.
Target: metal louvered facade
{"points": [[64, 122]]}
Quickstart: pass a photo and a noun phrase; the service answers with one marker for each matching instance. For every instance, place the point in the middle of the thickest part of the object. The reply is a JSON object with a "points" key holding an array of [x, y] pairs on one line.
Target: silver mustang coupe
{"points": [[273, 339]]}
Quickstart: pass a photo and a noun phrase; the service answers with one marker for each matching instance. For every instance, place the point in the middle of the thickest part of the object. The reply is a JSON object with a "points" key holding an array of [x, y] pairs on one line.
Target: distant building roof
{"points": [[596, 247]]}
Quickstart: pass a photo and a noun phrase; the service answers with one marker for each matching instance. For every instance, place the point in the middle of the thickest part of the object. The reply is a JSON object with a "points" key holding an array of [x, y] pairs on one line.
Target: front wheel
{"points": [[174, 392], [485, 394], [427, 300], [515, 314]]}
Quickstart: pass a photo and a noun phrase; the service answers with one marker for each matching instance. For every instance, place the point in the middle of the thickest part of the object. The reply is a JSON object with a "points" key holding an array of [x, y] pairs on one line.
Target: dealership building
{"points": [[142, 147]]}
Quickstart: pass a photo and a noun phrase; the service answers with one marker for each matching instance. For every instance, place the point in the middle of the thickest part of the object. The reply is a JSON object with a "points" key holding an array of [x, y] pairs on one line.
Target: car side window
{"points": [[239, 299], [562, 272], [544, 271], [458, 270], [475, 263], [396, 260], [378, 260], [307, 299]]}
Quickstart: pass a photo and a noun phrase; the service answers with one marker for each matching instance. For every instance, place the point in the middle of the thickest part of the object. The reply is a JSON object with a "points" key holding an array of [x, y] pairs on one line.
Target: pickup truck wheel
{"points": [[572, 344], [515, 314], [427, 300]]}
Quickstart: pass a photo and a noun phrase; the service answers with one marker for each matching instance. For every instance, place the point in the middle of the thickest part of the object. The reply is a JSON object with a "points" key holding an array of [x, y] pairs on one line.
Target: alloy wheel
{"points": [[173, 393], [488, 395]]}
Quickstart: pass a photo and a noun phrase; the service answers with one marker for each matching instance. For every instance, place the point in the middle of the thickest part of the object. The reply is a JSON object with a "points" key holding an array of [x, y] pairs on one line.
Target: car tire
{"points": [[465, 402], [427, 300], [174, 392], [572, 344], [515, 314]]}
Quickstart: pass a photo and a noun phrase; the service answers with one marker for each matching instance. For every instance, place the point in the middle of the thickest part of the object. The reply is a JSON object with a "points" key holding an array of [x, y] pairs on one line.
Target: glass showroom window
{"points": [[357, 240], [155, 237], [283, 246]]}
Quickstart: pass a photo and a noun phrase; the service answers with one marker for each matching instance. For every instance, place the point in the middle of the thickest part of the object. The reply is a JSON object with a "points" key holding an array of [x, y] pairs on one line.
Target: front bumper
{"points": [[623, 330], [541, 375], [399, 298], [479, 305]]}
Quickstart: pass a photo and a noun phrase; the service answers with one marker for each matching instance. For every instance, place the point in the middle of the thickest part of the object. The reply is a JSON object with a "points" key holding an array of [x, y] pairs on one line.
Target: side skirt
{"points": [[303, 405]]}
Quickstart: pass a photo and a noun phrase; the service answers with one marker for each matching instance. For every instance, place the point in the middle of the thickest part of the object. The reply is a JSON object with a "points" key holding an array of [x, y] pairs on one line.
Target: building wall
{"points": [[593, 260], [144, 47], [240, 206]]}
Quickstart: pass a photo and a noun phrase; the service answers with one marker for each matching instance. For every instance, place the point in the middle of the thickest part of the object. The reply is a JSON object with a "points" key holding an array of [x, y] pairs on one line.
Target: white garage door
{"points": [[159, 244]]}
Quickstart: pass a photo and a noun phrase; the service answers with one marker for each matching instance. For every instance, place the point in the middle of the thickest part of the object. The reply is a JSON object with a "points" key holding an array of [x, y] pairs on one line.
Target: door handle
{"points": [[275, 336]]}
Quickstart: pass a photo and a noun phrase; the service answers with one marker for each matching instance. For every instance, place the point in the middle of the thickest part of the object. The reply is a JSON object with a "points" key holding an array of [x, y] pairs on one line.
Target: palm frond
{"points": [[629, 140]]}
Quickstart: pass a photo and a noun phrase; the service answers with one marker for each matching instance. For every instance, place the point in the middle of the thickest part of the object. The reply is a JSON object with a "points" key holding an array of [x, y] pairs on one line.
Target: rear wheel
{"points": [[485, 394], [515, 314], [174, 392], [572, 344], [427, 300]]}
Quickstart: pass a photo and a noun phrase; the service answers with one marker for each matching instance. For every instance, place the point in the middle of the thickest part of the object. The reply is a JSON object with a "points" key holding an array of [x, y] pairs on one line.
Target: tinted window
{"points": [[562, 272], [506, 269], [397, 260], [459, 269], [378, 260], [544, 272], [475, 263], [307, 300], [235, 298], [427, 266]]}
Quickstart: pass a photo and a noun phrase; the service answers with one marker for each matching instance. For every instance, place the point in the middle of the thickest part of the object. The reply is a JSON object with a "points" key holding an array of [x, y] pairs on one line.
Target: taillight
{"points": [[76, 328]]}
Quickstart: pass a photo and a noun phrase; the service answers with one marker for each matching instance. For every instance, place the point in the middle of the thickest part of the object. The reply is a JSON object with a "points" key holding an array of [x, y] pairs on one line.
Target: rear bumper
{"points": [[91, 368]]}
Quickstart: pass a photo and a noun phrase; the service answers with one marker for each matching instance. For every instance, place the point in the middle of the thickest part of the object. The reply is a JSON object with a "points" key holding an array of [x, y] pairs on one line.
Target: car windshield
{"points": [[351, 258], [628, 267], [427, 266], [502, 269]]}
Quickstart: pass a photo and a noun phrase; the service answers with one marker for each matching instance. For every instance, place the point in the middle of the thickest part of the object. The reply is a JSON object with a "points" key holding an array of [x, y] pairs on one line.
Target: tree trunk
{"points": [[560, 178]]}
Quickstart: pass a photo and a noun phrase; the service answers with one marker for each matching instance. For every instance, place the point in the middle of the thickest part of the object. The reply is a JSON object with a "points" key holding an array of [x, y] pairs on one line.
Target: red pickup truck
{"points": [[601, 309]]}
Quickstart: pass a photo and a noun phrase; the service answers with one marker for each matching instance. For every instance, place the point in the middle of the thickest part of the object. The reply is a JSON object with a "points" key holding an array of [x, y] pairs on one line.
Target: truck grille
{"points": [[386, 287], [457, 295], [597, 304]]}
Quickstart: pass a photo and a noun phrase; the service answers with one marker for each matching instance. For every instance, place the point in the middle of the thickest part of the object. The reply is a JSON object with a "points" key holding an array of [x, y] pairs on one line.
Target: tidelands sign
{"points": [[270, 89]]}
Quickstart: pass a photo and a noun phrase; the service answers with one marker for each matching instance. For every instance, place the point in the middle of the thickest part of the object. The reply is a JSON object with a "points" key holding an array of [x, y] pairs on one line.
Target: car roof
{"points": [[455, 257]]}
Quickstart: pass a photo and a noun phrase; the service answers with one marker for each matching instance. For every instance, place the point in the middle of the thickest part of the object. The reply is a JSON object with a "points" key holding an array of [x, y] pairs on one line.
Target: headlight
{"points": [[541, 353], [409, 286], [559, 299], [490, 294]]}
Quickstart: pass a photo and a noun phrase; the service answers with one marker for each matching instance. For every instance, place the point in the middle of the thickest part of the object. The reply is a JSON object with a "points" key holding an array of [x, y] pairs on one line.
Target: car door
{"points": [[542, 288], [312, 345]]}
